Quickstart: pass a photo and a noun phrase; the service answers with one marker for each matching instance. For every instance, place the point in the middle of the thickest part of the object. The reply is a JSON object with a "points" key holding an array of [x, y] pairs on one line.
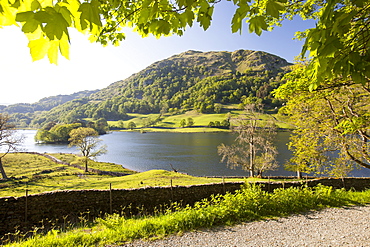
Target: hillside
{"points": [[23, 113], [190, 80]]}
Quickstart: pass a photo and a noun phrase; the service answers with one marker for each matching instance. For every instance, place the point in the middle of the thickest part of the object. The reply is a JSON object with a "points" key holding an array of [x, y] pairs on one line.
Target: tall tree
{"points": [[190, 122], [332, 124], [182, 123], [85, 139], [9, 140], [131, 125], [253, 149]]}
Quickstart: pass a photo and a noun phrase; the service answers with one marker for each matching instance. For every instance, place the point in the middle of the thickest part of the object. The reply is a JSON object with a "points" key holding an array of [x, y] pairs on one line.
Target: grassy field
{"points": [[38, 174], [171, 123], [104, 166]]}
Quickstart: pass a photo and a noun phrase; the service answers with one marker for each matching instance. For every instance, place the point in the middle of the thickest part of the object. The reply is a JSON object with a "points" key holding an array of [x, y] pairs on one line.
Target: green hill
{"points": [[23, 113], [191, 80]]}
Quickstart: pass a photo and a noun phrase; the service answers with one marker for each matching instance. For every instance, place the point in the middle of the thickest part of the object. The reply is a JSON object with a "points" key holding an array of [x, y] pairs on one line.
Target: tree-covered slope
{"points": [[190, 80], [23, 113]]}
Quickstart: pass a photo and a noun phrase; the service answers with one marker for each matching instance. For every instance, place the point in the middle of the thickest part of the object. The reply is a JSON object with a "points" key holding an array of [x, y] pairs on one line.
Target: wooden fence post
{"points": [[110, 198], [26, 207]]}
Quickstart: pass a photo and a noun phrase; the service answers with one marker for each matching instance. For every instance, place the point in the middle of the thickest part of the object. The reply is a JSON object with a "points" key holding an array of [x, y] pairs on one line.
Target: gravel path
{"points": [[347, 226]]}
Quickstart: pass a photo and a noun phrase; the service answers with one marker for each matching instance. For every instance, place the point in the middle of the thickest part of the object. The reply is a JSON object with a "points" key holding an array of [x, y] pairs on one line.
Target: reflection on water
{"points": [[193, 153]]}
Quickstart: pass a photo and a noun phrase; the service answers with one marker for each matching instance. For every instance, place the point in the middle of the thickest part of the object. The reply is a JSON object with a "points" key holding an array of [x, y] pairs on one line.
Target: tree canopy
{"points": [[332, 124], [86, 140], [338, 45]]}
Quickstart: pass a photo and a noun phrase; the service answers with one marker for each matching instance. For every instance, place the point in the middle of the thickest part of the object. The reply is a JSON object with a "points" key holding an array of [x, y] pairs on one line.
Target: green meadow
{"points": [[38, 174], [171, 122]]}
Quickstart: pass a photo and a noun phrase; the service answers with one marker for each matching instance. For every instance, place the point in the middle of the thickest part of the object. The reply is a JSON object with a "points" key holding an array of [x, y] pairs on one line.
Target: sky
{"points": [[92, 66]]}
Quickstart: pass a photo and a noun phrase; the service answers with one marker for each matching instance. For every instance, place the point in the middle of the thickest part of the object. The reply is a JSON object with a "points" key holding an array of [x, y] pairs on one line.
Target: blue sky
{"points": [[92, 66]]}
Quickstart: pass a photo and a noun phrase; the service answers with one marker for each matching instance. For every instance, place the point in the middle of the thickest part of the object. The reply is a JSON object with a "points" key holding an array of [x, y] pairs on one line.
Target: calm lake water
{"points": [[192, 153]]}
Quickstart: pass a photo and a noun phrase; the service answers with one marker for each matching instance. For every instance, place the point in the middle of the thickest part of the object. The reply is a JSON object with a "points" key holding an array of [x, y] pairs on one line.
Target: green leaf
{"points": [[35, 5], [358, 77], [66, 14], [24, 16], [256, 24], [240, 14], [89, 15], [189, 17], [43, 16], [329, 48], [273, 8], [355, 58], [38, 48], [144, 16], [53, 52], [205, 15], [30, 26], [64, 47], [56, 25]]}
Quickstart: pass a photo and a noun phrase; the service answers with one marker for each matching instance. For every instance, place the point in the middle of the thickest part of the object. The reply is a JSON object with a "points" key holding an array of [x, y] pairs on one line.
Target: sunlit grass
{"points": [[104, 166], [171, 122], [38, 174]]}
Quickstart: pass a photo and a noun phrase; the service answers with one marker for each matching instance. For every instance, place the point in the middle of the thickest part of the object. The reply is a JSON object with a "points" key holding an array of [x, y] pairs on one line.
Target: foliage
{"points": [[100, 125], [190, 122], [248, 204], [217, 124], [182, 123], [85, 139], [9, 141], [338, 44], [75, 111], [23, 113], [253, 148], [59, 133], [332, 124], [131, 125]]}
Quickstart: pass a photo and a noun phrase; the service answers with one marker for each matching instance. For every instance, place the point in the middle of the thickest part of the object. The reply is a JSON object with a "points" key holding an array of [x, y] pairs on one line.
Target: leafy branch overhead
{"points": [[338, 45]]}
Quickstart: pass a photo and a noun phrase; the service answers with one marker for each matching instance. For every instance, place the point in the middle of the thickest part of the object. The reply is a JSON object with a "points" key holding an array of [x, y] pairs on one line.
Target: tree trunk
{"points": [[251, 159], [299, 174], [3, 174], [86, 168]]}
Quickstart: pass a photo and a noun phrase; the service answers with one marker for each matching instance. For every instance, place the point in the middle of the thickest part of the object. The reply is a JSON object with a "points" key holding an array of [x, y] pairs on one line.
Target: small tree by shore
{"points": [[253, 148], [86, 140]]}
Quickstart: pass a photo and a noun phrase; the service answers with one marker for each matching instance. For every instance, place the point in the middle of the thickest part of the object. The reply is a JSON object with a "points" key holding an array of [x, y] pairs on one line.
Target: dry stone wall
{"points": [[25, 212]]}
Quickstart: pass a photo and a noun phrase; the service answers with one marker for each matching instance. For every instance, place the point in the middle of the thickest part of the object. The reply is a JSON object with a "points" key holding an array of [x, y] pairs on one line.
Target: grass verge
{"points": [[248, 204]]}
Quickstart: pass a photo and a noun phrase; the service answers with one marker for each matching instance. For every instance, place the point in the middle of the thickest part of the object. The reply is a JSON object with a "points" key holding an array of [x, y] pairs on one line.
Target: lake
{"points": [[192, 153]]}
